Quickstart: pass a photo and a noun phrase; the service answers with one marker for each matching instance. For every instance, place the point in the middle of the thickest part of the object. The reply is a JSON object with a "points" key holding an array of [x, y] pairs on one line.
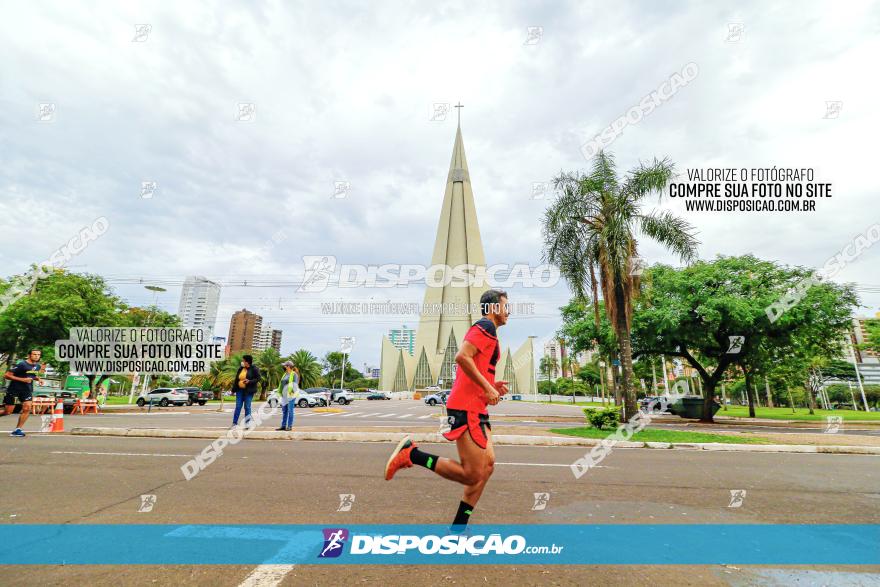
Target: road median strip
{"points": [[499, 439]]}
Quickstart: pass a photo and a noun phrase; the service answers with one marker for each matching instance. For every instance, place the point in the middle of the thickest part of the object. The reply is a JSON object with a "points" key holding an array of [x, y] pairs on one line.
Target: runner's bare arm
{"points": [[465, 360], [12, 377]]}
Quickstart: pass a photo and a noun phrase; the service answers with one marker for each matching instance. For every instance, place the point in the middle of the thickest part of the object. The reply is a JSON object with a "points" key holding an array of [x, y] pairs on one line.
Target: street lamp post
{"points": [[532, 374], [347, 344], [156, 291]]}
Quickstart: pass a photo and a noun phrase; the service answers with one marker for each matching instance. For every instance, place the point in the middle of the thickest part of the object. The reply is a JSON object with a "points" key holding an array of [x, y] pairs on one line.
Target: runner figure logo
{"points": [[541, 500], [832, 424], [147, 503], [318, 270], [346, 500], [735, 344], [334, 541], [737, 496]]}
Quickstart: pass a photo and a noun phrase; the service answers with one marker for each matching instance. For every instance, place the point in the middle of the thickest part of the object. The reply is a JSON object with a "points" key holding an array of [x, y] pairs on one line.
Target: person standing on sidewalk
{"points": [[245, 386], [21, 387], [288, 386]]}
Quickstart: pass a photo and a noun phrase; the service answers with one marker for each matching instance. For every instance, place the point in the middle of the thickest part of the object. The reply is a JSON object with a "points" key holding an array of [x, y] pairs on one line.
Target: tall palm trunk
{"points": [[622, 329]]}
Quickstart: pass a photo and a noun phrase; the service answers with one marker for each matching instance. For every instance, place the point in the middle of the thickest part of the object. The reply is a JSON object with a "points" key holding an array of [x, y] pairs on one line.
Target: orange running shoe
{"points": [[399, 459]]}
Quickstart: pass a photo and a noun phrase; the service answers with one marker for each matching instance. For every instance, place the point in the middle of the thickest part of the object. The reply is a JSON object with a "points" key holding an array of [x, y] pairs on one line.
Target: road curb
{"points": [[500, 439]]}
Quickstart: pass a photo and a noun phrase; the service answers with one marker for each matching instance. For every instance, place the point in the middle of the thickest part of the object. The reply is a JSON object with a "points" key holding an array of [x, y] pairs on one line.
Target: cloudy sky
{"points": [[345, 92]]}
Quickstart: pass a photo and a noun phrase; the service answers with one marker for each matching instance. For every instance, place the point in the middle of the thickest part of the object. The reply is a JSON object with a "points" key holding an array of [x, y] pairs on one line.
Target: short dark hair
{"points": [[248, 359], [35, 351], [489, 297]]}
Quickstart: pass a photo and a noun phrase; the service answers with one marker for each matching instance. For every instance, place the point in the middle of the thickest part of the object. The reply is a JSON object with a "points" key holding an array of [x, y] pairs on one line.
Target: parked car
{"points": [[343, 397], [301, 400], [436, 398], [164, 396], [198, 396], [322, 394], [660, 403], [379, 395], [516, 397]]}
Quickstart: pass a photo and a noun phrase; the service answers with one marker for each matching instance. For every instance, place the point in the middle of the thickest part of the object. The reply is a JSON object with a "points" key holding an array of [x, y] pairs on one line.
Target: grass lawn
{"points": [[800, 414], [567, 402], [652, 435]]}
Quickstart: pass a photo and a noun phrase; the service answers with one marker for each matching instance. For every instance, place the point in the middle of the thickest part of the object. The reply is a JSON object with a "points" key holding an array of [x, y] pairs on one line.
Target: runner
{"points": [[474, 388], [21, 386]]}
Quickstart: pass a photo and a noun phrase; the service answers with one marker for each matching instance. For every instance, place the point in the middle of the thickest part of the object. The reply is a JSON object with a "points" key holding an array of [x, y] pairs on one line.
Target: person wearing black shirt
{"points": [[21, 387]]}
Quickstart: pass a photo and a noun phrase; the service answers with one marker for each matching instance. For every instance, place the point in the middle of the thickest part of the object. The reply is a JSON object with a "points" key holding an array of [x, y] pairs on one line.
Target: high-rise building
{"points": [[440, 333], [555, 352], [199, 300], [403, 338], [245, 331], [268, 337]]}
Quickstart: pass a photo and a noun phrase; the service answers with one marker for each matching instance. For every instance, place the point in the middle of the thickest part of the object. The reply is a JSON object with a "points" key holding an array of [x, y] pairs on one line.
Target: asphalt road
{"points": [[393, 415], [381, 414], [66, 479]]}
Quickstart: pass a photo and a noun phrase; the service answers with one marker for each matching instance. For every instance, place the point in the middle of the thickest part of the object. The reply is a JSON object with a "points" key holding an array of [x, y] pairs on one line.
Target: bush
{"points": [[603, 418]]}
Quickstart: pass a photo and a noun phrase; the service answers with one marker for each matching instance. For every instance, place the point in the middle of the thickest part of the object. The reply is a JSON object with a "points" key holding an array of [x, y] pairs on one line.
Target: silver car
{"points": [[301, 400]]}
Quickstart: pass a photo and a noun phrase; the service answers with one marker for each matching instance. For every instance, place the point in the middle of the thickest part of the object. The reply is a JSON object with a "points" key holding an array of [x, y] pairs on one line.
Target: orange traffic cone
{"points": [[58, 418]]}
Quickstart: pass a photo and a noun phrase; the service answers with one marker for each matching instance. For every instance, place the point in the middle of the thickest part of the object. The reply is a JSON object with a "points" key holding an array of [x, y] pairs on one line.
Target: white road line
{"points": [[348, 415], [329, 414], [388, 415], [423, 417], [117, 454], [546, 465], [405, 416], [368, 415], [266, 576]]}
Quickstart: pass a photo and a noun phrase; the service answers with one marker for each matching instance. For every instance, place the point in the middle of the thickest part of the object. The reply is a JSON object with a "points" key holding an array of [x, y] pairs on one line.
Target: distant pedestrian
{"points": [[21, 387], [245, 386], [288, 386]]}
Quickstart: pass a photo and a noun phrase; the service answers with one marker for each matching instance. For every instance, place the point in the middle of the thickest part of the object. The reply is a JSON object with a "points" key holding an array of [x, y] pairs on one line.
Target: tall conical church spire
{"points": [[457, 243], [450, 309]]}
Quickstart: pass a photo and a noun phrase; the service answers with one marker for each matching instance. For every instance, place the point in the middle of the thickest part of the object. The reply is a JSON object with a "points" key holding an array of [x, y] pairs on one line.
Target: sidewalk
{"points": [[546, 439]]}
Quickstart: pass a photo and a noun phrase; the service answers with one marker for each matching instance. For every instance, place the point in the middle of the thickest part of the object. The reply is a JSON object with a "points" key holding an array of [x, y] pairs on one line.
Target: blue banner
{"points": [[558, 544]]}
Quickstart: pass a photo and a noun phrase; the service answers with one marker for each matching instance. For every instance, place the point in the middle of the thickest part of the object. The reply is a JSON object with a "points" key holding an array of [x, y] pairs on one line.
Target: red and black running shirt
{"points": [[466, 394]]}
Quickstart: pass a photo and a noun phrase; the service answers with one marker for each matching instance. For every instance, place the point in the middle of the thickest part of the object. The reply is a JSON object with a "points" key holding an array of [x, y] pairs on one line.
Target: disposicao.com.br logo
{"points": [[450, 544]]}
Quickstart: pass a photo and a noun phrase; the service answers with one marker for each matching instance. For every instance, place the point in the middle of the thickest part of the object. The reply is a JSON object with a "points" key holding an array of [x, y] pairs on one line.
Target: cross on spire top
{"points": [[459, 106]]}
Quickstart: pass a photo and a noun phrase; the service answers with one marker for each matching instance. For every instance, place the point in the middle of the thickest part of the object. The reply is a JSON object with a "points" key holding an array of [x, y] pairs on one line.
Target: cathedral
{"points": [[449, 310]]}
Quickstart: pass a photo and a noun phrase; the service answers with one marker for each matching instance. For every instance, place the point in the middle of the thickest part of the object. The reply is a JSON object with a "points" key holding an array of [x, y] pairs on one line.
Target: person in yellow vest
{"points": [[289, 387]]}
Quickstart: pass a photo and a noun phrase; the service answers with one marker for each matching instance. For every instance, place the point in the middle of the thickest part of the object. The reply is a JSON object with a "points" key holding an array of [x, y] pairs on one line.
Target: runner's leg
{"points": [[470, 470], [473, 492], [25, 411]]}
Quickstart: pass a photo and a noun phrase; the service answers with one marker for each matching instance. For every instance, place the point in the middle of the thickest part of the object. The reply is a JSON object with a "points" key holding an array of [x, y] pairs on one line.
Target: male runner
{"points": [[21, 386], [474, 388]]}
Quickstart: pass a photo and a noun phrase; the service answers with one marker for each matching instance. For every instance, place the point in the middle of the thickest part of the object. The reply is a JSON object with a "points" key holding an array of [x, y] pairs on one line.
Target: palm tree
{"points": [[593, 224], [548, 366], [308, 366], [271, 371]]}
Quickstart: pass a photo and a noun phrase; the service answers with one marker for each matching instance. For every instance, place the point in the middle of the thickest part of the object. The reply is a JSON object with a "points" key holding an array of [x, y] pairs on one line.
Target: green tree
{"points": [[58, 302], [332, 367], [872, 340], [594, 224], [269, 362], [548, 366], [308, 366], [714, 314]]}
